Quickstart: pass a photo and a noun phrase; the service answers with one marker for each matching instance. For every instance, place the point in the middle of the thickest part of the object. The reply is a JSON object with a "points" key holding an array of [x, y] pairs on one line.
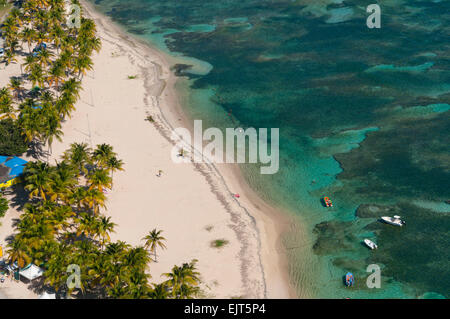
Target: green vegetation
{"points": [[132, 77], [218, 243], [12, 142], [4, 205], [62, 223], [45, 94], [153, 240]]}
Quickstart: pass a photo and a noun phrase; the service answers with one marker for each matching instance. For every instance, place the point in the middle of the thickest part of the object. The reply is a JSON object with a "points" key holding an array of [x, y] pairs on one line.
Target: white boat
{"points": [[370, 244], [396, 221]]}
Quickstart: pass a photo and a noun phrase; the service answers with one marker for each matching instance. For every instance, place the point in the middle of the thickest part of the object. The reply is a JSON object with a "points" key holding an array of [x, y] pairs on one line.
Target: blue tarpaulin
{"points": [[16, 165], [15, 162], [16, 171]]}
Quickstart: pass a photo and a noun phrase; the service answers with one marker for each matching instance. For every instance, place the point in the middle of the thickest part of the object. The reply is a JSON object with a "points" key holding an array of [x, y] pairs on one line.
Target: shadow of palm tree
{"points": [[36, 151]]}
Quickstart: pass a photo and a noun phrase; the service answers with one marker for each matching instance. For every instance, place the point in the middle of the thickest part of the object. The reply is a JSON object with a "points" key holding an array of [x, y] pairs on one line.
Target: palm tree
{"points": [[51, 127], [159, 291], [79, 156], [56, 73], [64, 180], [65, 105], [15, 84], [57, 34], [104, 227], [94, 199], [44, 57], [9, 57], [114, 164], [30, 60], [136, 258], [78, 197], [36, 75], [38, 179], [6, 105], [71, 87], [186, 275], [18, 252], [56, 267], [28, 35], [153, 240], [103, 153], [99, 179], [82, 64], [87, 225], [29, 120]]}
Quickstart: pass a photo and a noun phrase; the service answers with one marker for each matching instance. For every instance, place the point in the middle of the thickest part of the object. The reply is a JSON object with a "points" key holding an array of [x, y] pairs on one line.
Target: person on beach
{"points": [[159, 173]]}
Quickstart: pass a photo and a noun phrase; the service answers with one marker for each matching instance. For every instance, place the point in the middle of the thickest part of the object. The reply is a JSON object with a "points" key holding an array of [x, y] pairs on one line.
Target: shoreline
{"points": [[273, 223]]}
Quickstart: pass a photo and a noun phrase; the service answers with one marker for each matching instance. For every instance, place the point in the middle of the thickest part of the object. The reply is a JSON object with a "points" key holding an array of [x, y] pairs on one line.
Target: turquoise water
{"points": [[363, 117]]}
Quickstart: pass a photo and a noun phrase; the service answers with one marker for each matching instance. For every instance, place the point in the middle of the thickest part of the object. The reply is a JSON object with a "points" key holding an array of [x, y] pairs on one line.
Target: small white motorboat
{"points": [[370, 244], [396, 221]]}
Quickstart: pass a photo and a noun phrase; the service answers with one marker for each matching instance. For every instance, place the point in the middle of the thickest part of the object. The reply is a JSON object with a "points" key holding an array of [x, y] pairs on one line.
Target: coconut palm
{"points": [[104, 227], [44, 57], [78, 197], [36, 75], [114, 164], [9, 57], [87, 225], [186, 275], [6, 105], [65, 105], [154, 240], [79, 156], [18, 252], [38, 179], [63, 182], [56, 73], [99, 179], [136, 258], [159, 291], [15, 84], [71, 87], [102, 154], [94, 200], [28, 35], [51, 127], [82, 64], [30, 60]]}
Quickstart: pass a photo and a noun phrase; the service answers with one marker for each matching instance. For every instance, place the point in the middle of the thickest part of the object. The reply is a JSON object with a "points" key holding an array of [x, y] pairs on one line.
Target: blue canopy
{"points": [[16, 161], [3, 159], [16, 171]]}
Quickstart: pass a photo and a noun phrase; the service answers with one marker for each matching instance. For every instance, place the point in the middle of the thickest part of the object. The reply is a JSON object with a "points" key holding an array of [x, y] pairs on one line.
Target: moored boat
{"points": [[370, 244], [327, 201], [349, 279], [396, 221]]}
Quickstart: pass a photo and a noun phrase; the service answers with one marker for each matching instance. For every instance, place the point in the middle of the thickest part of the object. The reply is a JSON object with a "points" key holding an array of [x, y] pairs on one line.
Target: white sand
{"points": [[188, 198]]}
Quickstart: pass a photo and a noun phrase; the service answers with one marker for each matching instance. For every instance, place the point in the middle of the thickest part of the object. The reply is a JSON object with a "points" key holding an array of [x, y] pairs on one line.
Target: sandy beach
{"points": [[192, 203]]}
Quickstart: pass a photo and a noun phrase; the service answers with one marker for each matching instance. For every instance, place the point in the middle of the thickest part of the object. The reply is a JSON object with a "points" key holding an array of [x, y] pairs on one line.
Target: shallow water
{"points": [[363, 117]]}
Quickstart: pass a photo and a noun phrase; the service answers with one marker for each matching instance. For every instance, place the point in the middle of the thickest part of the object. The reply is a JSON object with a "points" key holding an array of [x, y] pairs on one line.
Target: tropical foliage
{"points": [[62, 223], [3, 206], [11, 141], [45, 94]]}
